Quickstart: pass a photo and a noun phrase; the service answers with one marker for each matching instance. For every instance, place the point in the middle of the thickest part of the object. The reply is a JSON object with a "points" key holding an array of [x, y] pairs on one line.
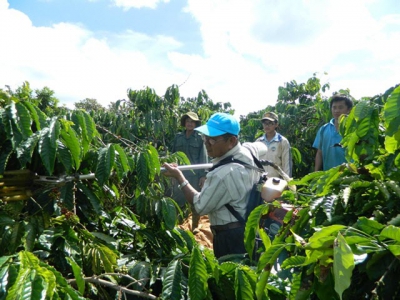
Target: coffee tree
{"points": [[84, 215]]}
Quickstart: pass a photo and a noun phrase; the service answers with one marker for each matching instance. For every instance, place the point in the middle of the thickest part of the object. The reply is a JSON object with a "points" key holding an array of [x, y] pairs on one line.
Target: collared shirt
{"points": [[230, 183], [327, 140], [279, 152]]}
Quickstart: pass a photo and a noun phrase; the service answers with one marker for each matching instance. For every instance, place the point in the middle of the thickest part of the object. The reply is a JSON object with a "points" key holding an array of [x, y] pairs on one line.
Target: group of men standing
{"points": [[209, 193]]}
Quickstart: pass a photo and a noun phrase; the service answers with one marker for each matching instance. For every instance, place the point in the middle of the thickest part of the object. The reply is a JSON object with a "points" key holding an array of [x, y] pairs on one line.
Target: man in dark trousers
{"points": [[226, 184], [190, 142]]}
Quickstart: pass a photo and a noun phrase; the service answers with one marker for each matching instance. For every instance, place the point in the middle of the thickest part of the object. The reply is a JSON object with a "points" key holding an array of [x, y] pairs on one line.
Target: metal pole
{"points": [[191, 167]]}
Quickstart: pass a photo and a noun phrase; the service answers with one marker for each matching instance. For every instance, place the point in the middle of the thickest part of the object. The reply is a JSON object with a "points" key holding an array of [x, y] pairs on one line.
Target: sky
{"points": [[237, 51]]}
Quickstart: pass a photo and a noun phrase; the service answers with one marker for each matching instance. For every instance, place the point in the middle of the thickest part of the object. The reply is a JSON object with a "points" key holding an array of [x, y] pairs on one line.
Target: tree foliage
{"points": [[89, 104], [84, 215]]}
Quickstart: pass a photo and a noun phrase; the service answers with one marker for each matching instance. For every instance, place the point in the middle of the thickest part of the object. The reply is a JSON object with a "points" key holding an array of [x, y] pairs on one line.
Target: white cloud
{"points": [[127, 4], [76, 64], [293, 39], [250, 48]]}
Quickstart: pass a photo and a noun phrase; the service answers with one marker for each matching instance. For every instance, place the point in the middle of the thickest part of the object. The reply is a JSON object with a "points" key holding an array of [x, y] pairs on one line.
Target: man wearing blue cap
{"points": [[226, 184]]}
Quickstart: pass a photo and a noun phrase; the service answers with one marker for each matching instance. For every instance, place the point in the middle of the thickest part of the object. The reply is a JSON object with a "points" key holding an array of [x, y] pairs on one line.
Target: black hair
{"points": [[342, 97]]}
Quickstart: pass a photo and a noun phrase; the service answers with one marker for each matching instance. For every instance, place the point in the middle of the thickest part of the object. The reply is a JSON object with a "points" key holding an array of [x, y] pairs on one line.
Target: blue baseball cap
{"points": [[219, 124]]}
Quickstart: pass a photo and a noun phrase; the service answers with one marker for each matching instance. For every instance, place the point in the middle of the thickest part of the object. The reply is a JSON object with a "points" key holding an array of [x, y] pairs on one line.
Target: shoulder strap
{"points": [[231, 159], [235, 213]]}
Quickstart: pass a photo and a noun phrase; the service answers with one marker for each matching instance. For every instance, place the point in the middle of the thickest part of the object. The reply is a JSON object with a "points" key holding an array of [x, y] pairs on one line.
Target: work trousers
{"points": [[228, 241]]}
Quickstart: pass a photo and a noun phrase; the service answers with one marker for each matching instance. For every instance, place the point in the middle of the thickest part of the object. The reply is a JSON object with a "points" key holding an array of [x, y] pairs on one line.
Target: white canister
{"points": [[273, 188]]}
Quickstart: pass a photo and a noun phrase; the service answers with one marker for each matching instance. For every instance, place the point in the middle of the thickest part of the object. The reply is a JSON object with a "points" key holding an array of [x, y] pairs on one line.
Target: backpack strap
{"points": [[235, 213], [231, 159]]}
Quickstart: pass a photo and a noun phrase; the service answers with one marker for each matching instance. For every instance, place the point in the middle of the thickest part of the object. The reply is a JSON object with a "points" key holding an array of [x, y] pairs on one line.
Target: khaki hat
{"points": [[270, 116], [191, 115]]}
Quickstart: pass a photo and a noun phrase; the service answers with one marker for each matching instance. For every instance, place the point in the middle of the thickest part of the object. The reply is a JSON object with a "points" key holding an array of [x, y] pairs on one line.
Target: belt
{"points": [[228, 226]]}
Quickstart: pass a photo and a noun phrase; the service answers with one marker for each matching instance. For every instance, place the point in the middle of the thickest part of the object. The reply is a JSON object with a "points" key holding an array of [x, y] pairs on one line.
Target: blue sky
{"points": [[239, 51]]}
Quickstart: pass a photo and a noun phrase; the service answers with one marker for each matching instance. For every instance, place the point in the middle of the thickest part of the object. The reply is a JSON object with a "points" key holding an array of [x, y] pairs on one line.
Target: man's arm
{"points": [[187, 189], [318, 160]]}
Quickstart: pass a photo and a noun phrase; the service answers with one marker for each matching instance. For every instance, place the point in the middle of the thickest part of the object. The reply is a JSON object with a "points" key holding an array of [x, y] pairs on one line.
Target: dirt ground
{"points": [[202, 233]]}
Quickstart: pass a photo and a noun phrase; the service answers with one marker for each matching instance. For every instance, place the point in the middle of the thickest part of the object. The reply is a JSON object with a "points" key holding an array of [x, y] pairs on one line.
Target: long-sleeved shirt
{"points": [[230, 183], [279, 152]]}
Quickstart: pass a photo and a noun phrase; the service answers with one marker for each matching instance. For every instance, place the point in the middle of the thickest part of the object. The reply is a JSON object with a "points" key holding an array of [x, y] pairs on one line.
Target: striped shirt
{"points": [[230, 183]]}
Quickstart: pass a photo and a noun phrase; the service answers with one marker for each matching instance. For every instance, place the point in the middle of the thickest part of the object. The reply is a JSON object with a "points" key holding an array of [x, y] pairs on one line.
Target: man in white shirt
{"points": [[279, 151]]}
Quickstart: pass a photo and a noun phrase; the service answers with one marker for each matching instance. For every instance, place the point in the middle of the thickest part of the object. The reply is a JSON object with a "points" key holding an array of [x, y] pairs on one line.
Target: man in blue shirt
{"points": [[327, 142]]}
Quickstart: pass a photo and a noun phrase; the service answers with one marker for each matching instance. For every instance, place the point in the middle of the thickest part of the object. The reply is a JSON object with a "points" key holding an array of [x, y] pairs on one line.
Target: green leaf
{"points": [[392, 143], [16, 236], [33, 281], [67, 195], [64, 156], [395, 249], [24, 120], [30, 234], [294, 261], [22, 287], [5, 153], [172, 288], [325, 242], [26, 148], [154, 162], [91, 131], [252, 226], [269, 256], [39, 288], [47, 150], [105, 163], [324, 236], [391, 232], [80, 127], [369, 226], [141, 271], [108, 258], [5, 220], [143, 173], [123, 159], [243, 288], [343, 265], [76, 269], [261, 290], [168, 212], [197, 276], [70, 140], [54, 130], [37, 115], [296, 154], [10, 121], [62, 285], [391, 112], [362, 116], [187, 236], [94, 200], [297, 291]]}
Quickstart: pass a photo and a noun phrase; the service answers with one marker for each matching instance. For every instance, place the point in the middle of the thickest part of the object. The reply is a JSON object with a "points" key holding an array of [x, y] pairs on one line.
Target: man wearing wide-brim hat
{"points": [[192, 116], [190, 142]]}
